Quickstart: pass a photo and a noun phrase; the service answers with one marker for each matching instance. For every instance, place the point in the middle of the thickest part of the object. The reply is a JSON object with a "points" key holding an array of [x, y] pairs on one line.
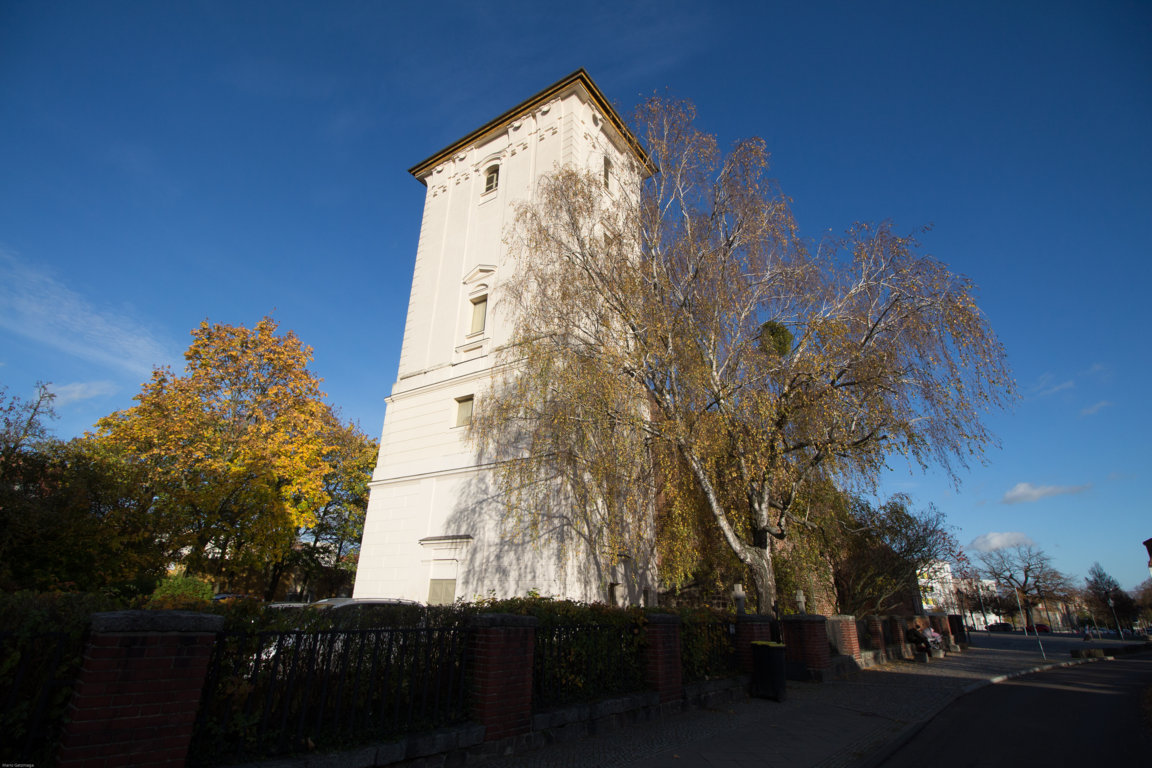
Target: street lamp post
{"points": [[1021, 607], [1112, 605]]}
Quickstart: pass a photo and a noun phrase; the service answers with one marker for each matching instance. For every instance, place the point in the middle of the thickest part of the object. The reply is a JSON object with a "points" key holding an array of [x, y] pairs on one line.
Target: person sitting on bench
{"points": [[917, 640]]}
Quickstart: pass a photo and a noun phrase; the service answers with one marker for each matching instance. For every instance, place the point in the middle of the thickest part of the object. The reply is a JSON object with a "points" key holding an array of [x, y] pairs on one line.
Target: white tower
{"points": [[432, 532]]}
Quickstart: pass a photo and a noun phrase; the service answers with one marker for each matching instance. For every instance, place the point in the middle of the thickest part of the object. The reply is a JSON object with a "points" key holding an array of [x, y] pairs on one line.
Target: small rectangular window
{"points": [[441, 591], [607, 171], [491, 178], [479, 314], [464, 411]]}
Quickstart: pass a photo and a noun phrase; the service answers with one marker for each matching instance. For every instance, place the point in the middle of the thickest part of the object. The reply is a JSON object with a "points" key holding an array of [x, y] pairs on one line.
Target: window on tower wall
{"points": [[441, 591], [491, 178], [479, 314], [464, 410], [607, 171]]}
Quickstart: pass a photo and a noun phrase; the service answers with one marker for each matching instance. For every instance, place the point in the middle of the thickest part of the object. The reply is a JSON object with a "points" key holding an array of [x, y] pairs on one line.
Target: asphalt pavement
{"points": [[850, 723], [1088, 714]]}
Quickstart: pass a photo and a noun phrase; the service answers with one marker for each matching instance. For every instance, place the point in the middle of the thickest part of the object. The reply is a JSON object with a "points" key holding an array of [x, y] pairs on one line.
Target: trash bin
{"points": [[768, 670]]}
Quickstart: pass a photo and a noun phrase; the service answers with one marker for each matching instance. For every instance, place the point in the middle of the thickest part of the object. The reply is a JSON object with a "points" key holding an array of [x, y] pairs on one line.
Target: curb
{"points": [[908, 732]]}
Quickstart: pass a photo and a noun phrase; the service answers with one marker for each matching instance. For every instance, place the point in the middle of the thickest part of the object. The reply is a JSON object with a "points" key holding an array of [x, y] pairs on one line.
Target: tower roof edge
{"points": [[579, 77]]}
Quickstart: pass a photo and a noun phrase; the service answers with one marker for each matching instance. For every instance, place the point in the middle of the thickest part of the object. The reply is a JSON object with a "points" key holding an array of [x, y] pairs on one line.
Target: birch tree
{"points": [[678, 343]]}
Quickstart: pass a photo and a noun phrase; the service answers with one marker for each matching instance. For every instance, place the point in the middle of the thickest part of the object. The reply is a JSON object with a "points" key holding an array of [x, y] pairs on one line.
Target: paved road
{"points": [[830, 725], [1084, 715]]}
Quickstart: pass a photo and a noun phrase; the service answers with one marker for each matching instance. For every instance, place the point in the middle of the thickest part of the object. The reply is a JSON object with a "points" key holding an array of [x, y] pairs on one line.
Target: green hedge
{"points": [[707, 644], [41, 647]]}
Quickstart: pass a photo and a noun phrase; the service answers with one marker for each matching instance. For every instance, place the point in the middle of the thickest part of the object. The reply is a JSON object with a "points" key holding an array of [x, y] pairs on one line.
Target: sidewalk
{"points": [[821, 725]]}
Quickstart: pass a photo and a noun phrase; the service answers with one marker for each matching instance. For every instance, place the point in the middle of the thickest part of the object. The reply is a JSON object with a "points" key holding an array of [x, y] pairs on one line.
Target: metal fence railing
{"points": [[707, 650], [584, 662], [37, 675], [273, 693]]}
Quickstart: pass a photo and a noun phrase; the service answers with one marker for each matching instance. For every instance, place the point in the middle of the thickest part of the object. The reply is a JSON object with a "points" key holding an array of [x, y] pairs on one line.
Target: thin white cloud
{"points": [[1046, 384], [1026, 492], [1095, 408], [36, 306], [1057, 388], [990, 542], [1100, 371], [81, 390]]}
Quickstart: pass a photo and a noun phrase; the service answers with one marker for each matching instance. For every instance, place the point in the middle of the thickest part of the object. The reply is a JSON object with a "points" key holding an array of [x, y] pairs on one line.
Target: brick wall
{"points": [[752, 628], [501, 652], [842, 634], [806, 639], [876, 629], [139, 688], [662, 667], [900, 649]]}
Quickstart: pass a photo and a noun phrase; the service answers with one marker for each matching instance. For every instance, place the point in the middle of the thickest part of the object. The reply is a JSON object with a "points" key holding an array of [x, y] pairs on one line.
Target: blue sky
{"points": [[165, 163]]}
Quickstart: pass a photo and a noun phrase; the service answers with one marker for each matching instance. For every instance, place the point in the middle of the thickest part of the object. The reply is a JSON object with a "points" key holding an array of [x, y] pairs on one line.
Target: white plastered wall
{"points": [[432, 513]]}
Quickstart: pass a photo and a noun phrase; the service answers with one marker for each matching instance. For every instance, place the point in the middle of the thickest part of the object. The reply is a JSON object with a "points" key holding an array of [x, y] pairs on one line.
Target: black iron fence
{"points": [[707, 650], [37, 674], [577, 663], [272, 693]]}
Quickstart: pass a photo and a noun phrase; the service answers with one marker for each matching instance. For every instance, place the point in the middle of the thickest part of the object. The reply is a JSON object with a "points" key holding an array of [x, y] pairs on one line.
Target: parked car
{"points": [[1038, 628], [1000, 626]]}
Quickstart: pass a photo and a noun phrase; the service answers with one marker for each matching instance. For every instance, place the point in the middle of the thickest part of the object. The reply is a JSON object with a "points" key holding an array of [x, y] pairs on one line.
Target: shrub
{"points": [[179, 592], [26, 614], [707, 644], [41, 644], [583, 651]]}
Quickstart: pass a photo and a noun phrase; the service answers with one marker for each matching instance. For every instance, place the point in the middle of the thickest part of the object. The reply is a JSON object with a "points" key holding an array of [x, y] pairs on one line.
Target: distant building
{"points": [[433, 529], [937, 588]]}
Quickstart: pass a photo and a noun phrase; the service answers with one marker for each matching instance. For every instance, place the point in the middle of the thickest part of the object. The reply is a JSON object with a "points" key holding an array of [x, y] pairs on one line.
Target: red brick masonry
{"points": [[662, 666], [806, 641], [139, 688], [751, 628], [501, 650], [842, 632]]}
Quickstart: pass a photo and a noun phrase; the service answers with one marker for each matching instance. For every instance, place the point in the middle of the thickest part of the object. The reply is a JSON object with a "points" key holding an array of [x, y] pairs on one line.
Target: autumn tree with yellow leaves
{"points": [[243, 456], [678, 346]]}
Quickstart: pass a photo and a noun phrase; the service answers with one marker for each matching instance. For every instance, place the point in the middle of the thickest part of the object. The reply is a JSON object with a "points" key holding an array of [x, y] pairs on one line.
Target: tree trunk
{"points": [[760, 563]]}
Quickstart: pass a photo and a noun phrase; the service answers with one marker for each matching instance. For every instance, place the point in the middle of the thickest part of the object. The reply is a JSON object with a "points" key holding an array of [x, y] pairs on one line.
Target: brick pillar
{"points": [[139, 688], [662, 669], [876, 629], [842, 634], [806, 641], [899, 627], [750, 628], [501, 649]]}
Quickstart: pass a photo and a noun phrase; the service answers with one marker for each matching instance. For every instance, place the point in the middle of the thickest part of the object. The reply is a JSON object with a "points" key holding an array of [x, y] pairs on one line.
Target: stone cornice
{"points": [[579, 78]]}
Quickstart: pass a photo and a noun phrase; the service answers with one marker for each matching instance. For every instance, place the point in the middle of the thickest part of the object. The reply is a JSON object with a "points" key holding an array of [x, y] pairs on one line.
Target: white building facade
{"points": [[937, 588], [433, 530]]}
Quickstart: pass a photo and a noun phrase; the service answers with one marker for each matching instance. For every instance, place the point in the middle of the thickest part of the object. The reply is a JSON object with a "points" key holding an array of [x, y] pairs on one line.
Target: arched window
{"points": [[491, 178]]}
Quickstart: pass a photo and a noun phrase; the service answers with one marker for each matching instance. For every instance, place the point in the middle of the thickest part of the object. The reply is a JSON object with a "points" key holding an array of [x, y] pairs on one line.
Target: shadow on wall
{"points": [[554, 550]]}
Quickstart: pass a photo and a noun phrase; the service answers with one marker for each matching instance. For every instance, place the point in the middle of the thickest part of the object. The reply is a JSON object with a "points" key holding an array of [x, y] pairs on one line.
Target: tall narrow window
{"points": [[479, 314], [491, 178], [607, 171], [464, 411]]}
